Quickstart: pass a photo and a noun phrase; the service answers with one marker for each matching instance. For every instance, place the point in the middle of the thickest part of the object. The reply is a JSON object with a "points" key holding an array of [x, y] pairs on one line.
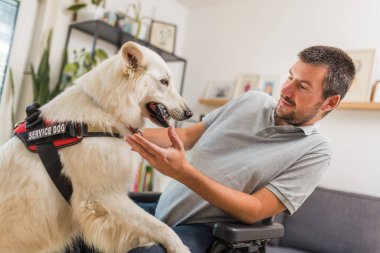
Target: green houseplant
{"points": [[12, 86], [83, 62], [136, 19], [78, 5], [41, 78], [135, 24]]}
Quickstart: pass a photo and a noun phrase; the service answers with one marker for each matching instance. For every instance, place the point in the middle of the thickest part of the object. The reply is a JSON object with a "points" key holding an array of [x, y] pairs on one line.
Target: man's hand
{"points": [[170, 161]]}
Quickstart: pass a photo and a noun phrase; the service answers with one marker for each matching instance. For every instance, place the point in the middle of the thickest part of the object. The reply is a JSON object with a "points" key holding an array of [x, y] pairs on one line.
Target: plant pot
{"points": [[140, 33], [90, 12]]}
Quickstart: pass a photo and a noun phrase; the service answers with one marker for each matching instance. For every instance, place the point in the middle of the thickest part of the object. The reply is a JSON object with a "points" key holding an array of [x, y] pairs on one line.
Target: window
{"points": [[8, 14]]}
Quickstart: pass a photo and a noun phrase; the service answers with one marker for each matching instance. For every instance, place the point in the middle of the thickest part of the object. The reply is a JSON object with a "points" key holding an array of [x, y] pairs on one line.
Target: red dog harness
{"points": [[44, 138], [60, 134], [56, 134]]}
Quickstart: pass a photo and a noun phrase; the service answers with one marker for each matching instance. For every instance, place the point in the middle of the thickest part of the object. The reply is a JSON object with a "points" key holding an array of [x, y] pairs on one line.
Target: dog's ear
{"points": [[132, 60]]}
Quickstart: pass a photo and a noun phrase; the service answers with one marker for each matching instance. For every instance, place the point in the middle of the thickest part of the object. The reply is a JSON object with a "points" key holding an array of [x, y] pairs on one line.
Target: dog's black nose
{"points": [[188, 113]]}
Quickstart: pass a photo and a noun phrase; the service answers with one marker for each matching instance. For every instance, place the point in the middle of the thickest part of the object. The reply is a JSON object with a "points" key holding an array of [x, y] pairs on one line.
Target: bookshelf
{"points": [[343, 106], [144, 178], [100, 30]]}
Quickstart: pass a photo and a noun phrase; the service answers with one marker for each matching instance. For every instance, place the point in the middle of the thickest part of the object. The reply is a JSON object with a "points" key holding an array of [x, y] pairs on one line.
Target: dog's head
{"points": [[153, 84]]}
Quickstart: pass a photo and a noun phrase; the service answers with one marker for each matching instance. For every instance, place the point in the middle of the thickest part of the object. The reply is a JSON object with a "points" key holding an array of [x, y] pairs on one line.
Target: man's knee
{"points": [[152, 249]]}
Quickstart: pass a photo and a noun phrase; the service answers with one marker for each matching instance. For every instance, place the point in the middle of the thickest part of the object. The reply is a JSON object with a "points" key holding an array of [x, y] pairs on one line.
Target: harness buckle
{"points": [[80, 131]]}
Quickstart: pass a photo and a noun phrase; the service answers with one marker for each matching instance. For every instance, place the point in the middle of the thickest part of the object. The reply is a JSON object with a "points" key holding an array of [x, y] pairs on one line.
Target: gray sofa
{"points": [[331, 222]]}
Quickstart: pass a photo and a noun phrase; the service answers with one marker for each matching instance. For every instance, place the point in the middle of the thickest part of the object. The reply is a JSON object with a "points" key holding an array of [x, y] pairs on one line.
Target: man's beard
{"points": [[297, 118]]}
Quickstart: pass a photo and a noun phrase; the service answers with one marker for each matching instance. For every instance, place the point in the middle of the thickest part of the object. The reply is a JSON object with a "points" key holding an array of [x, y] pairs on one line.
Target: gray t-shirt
{"points": [[243, 149]]}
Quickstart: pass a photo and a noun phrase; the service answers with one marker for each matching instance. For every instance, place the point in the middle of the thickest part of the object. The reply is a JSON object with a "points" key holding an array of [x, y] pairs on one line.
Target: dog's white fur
{"points": [[35, 218]]}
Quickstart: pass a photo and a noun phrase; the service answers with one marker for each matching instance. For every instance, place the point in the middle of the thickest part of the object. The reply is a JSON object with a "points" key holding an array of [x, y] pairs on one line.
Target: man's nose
{"points": [[288, 88]]}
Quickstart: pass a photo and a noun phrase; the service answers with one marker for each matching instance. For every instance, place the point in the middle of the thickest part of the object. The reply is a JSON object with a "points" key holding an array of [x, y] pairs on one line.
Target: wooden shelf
{"points": [[213, 102], [114, 35], [359, 106], [343, 106]]}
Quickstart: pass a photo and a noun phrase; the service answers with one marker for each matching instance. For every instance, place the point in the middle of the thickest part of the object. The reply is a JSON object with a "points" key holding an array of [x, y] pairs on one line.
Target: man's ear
{"points": [[132, 60], [331, 103]]}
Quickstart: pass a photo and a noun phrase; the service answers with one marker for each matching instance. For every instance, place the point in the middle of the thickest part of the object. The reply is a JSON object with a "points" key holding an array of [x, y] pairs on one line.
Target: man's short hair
{"points": [[341, 68]]}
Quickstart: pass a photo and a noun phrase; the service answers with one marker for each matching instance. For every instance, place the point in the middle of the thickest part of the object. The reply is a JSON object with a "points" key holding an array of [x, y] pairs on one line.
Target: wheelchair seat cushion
{"points": [[284, 250]]}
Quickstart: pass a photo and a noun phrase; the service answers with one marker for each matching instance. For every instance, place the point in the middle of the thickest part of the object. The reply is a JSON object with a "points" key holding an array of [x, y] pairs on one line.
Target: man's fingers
{"points": [[177, 143], [135, 145], [139, 149], [147, 145]]}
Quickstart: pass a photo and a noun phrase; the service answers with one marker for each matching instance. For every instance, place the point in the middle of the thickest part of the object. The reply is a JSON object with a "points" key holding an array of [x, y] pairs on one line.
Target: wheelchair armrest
{"points": [[238, 232], [144, 197]]}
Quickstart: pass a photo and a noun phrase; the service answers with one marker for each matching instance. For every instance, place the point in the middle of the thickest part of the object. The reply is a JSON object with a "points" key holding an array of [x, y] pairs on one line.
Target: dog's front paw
{"points": [[178, 249], [173, 244]]}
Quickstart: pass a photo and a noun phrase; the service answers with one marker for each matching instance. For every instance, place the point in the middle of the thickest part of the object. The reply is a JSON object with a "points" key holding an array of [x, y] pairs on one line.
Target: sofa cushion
{"points": [[335, 221]]}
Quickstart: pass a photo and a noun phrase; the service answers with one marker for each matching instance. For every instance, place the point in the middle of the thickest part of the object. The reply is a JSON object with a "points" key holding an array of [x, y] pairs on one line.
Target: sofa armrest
{"points": [[238, 232], [144, 197]]}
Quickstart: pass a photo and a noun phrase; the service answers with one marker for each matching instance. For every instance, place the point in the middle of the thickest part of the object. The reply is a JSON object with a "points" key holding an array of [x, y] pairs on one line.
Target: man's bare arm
{"points": [[242, 206], [189, 135]]}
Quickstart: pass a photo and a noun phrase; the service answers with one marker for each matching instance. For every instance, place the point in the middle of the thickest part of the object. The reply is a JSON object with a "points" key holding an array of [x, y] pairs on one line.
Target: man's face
{"points": [[301, 95]]}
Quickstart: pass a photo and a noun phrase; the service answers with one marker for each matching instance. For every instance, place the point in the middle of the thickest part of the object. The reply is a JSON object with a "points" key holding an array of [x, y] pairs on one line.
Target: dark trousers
{"points": [[198, 237]]}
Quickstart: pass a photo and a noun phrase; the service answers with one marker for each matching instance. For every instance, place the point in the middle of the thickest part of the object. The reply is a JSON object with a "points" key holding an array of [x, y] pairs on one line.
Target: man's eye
{"points": [[164, 82], [302, 86]]}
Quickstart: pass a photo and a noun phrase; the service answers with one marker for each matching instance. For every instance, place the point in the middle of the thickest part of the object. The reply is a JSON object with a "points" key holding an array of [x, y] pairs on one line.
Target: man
{"points": [[254, 157]]}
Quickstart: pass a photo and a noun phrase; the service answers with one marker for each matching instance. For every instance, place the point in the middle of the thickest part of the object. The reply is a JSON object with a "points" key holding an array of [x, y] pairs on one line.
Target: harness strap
{"points": [[93, 131], [46, 139], [49, 156]]}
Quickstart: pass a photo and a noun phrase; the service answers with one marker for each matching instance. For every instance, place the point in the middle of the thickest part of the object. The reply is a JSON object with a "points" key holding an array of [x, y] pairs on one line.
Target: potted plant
{"points": [[134, 23], [83, 62], [41, 77], [83, 11]]}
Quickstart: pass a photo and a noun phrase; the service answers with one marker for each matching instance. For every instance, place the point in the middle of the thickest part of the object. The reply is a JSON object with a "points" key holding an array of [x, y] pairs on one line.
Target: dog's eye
{"points": [[164, 82]]}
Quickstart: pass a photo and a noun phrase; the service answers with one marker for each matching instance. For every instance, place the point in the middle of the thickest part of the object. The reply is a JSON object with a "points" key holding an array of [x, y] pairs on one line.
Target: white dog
{"points": [[117, 94]]}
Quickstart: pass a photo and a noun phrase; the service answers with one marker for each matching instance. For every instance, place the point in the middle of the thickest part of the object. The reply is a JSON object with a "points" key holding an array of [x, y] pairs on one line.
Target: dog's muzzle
{"points": [[160, 114]]}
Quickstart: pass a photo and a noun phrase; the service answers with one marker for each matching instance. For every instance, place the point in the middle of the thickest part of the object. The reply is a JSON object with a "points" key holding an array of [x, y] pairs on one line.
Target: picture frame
{"points": [[375, 94], [163, 35], [246, 83], [360, 90], [222, 90], [270, 84]]}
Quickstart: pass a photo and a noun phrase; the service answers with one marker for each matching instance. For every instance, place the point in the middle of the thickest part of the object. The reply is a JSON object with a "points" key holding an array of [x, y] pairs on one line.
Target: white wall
{"points": [[356, 157], [264, 36]]}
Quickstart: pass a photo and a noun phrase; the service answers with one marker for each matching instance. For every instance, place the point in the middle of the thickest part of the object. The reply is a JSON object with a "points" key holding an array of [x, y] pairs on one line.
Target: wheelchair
{"points": [[230, 237]]}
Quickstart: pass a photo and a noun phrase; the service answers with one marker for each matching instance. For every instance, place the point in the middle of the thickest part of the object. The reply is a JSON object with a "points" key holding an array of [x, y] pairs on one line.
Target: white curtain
{"points": [[6, 113], [8, 14], [18, 59]]}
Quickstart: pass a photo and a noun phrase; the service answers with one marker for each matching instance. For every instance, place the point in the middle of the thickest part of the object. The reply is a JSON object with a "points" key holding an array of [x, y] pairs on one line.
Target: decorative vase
{"points": [[90, 12], [139, 29]]}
